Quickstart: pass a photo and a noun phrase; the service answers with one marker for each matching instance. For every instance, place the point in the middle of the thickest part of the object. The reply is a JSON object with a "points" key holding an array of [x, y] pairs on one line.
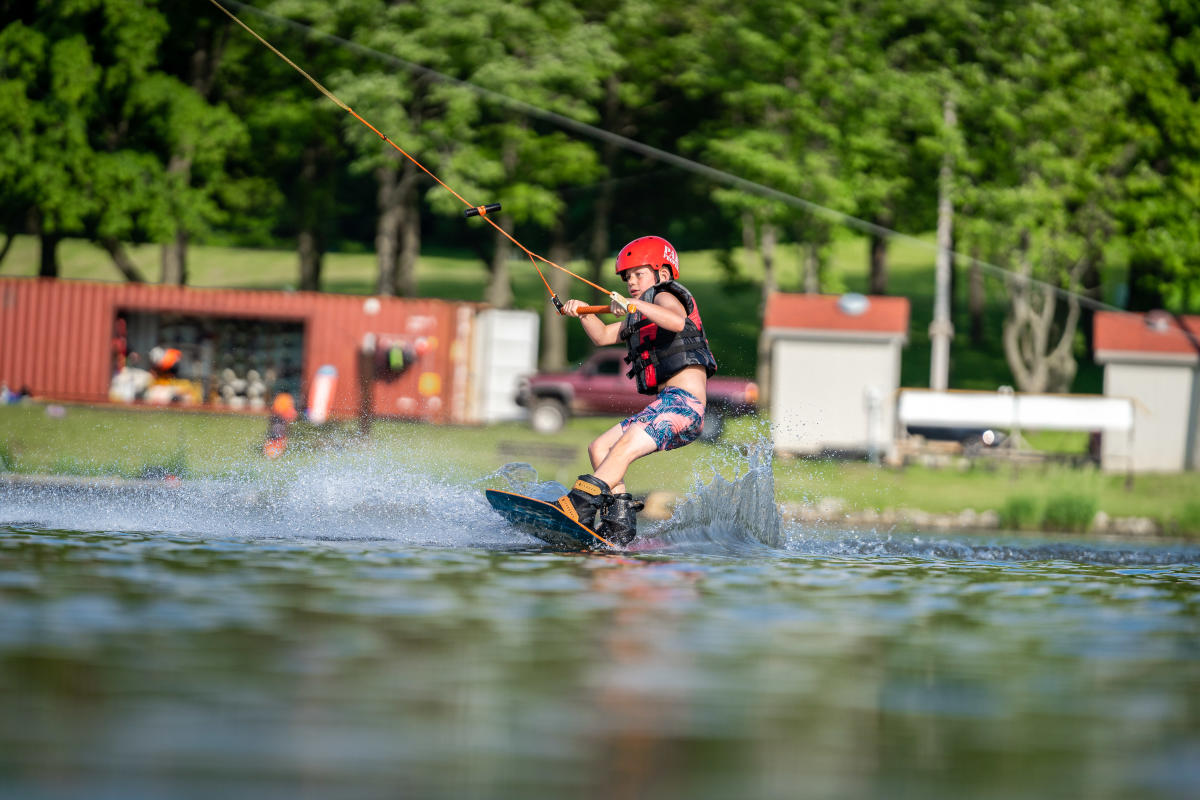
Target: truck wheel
{"points": [[714, 425], [548, 415]]}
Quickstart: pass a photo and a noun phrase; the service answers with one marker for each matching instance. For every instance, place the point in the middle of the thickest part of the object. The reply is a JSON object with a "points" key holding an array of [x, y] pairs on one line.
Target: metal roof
{"points": [[863, 314], [1153, 336]]}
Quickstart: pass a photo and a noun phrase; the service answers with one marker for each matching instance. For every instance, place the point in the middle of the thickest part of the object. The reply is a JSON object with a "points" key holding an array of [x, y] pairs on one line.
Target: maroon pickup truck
{"points": [[600, 386]]}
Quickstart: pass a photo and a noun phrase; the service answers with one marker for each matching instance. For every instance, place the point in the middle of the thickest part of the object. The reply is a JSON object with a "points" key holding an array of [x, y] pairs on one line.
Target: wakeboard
{"points": [[546, 521]]}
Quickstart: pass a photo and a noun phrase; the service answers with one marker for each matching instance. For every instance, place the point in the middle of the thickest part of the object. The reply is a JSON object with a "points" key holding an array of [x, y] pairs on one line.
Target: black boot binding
{"points": [[618, 519], [584, 501]]}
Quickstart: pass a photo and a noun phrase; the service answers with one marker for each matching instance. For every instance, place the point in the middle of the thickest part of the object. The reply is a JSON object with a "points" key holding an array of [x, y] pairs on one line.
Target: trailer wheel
{"points": [[548, 415]]}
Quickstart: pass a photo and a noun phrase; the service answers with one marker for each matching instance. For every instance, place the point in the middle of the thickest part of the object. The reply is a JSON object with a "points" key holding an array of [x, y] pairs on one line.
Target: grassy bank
{"points": [[150, 443]]}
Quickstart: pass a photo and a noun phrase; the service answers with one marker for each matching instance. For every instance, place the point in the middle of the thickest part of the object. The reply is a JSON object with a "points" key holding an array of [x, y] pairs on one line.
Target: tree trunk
{"points": [[812, 268], [499, 288], [1062, 360], [7, 244], [387, 229], [600, 248], [174, 259], [499, 291], [879, 257], [204, 65], [749, 248], [410, 232], [310, 243], [770, 284], [121, 259], [174, 250], [976, 300], [205, 61], [749, 238], [1094, 289], [554, 325], [598, 251], [48, 266], [1037, 367], [1025, 330], [310, 252]]}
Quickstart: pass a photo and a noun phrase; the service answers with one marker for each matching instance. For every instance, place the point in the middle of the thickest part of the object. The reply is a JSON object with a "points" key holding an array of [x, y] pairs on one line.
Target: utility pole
{"points": [[941, 330]]}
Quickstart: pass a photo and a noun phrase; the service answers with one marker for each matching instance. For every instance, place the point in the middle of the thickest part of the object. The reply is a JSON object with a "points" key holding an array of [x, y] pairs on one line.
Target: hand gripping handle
{"points": [[629, 307]]}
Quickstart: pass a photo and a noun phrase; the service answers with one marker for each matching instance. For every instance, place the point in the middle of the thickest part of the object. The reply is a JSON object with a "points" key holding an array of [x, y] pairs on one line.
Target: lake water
{"points": [[357, 630]]}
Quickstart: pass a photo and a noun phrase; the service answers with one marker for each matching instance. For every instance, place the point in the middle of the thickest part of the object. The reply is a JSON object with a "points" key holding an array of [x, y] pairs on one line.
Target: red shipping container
{"points": [[61, 340]]}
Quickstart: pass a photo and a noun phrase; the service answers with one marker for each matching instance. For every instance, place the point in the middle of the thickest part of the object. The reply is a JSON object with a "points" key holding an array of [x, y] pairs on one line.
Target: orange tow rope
{"points": [[472, 210]]}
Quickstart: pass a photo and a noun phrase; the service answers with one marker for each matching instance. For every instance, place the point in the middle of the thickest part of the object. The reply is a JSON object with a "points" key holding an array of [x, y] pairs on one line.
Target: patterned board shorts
{"points": [[673, 420]]}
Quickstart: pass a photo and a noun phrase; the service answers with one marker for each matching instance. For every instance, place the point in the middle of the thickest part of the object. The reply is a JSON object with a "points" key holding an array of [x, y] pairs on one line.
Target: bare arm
{"points": [[666, 312]]}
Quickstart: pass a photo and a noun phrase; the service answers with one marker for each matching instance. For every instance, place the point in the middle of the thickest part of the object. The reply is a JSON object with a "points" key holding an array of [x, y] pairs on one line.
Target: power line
{"points": [[687, 164]]}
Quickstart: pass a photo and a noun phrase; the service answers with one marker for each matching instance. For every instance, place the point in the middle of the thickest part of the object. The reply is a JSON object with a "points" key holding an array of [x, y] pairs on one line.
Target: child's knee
{"points": [[635, 442]]}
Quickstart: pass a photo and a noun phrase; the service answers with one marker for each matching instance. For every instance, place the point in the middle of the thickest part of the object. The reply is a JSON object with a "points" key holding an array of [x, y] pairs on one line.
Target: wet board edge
{"points": [[520, 510]]}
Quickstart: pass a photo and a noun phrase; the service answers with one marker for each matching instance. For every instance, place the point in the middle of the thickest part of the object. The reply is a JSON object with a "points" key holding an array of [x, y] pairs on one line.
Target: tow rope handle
{"points": [[621, 301]]}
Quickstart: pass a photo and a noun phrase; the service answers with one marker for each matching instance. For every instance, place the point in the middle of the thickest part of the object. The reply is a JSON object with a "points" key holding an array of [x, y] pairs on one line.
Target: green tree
{"points": [[67, 93], [647, 44], [95, 119], [1161, 164], [20, 56], [295, 131], [778, 77], [899, 75], [543, 54], [422, 113], [1045, 134], [197, 136]]}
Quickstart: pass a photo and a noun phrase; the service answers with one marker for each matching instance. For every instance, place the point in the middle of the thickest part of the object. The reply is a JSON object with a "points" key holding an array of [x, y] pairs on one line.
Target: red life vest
{"points": [[655, 355]]}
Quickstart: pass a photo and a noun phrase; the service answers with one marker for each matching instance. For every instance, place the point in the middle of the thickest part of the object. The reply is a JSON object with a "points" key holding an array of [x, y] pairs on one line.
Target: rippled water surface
{"points": [[341, 635]]}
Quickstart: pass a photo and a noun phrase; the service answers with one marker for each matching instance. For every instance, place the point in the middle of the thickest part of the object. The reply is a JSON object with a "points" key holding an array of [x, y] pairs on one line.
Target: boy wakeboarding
{"points": [[669, 357]]}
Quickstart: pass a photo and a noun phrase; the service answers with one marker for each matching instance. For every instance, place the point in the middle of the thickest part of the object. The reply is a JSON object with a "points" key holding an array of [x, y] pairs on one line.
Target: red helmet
{"points": [[648, 251]]}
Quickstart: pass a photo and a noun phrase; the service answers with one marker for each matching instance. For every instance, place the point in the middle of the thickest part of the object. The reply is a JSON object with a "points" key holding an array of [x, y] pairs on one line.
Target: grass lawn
{"points": [[140, 443]]}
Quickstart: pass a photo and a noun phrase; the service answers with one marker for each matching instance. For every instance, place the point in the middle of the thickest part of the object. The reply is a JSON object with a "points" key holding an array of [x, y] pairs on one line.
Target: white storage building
{"points": [[834, 368], [1154, 359], [504, 349]]}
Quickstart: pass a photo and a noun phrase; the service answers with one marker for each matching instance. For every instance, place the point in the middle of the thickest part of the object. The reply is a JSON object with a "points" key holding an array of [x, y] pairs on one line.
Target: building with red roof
{"points": [[831, 370], [1152, 358]]}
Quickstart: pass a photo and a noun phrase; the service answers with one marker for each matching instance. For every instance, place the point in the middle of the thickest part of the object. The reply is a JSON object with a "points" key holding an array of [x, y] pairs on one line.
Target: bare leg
{"points": [[614, 461], [600, 448]]}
